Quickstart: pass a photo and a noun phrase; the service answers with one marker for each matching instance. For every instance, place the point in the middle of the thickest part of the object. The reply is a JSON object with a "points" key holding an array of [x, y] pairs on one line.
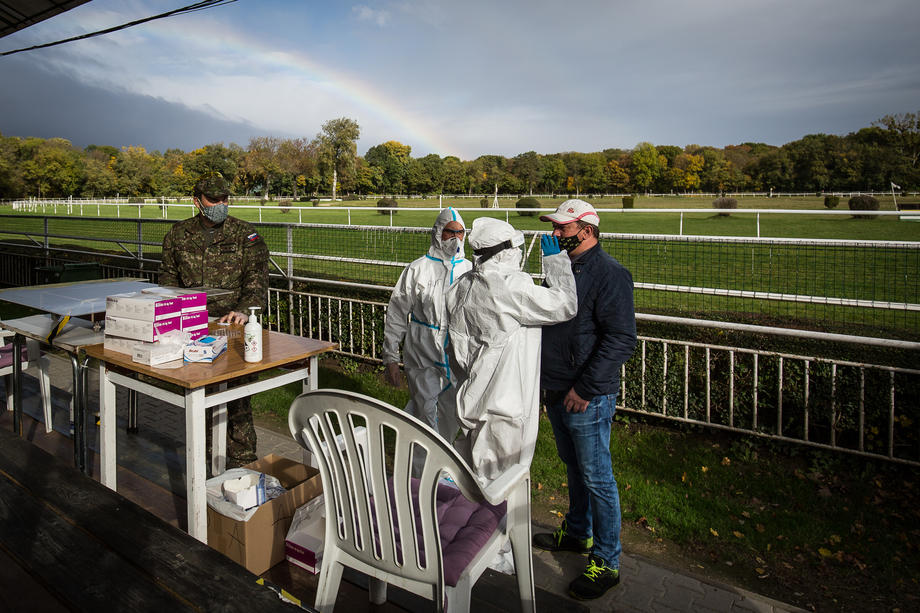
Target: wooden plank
{"points": [[74, 566], [21, 593], [102, 526]]}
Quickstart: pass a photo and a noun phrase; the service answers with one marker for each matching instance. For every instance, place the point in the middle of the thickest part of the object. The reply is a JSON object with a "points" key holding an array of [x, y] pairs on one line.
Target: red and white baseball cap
{"points": [[574, 210]]}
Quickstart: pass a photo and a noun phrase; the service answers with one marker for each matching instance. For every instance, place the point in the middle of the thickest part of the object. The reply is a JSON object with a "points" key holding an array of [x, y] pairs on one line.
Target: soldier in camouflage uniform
{"points": [[213, 249]]}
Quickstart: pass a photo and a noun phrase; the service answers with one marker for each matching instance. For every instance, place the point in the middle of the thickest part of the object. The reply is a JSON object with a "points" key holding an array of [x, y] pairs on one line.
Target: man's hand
{"points": [[392, 374], [549, 244], [234, 317], [574, 403]]}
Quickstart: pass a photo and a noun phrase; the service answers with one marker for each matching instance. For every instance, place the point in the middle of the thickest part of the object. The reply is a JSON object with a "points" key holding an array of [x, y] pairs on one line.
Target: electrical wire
{"points": [[198, 6]]}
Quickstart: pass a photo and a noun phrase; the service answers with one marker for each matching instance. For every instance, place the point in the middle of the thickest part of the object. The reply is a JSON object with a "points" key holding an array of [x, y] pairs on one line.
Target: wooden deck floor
{"points": [[493, 593]]}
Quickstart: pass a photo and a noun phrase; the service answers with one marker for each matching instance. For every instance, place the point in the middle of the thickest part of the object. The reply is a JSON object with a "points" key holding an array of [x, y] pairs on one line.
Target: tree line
{"points": [[867, 160]]}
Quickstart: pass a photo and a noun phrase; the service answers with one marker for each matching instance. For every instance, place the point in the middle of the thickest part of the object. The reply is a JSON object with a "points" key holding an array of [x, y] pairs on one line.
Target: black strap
{"points": [[487, 252]]}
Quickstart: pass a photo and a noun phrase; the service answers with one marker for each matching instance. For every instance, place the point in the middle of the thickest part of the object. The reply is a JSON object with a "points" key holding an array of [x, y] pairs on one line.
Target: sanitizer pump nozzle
{"points": [[252, 338]]}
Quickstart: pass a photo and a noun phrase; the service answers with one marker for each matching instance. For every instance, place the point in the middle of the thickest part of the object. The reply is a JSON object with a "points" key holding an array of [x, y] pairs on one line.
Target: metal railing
{"points": [[861, 408], [843, 404]]}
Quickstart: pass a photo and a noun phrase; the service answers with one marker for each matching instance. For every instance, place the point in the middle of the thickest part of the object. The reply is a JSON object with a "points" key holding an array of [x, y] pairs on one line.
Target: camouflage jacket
{"points": [[234, 257]]}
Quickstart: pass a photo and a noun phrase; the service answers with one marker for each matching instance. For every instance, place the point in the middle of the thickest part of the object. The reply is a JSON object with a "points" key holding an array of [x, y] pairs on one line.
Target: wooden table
{"points": [[69, 543], [278, 350]]}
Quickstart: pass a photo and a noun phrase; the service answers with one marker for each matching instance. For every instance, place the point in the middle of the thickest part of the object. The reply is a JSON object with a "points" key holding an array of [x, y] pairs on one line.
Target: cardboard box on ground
{"points": [[258, 544]]}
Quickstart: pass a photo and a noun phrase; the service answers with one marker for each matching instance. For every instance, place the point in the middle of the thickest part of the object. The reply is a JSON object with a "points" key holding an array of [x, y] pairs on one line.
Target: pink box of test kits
{"points": [[188, 301], [195, 323], [139, 329], [146, 307]]}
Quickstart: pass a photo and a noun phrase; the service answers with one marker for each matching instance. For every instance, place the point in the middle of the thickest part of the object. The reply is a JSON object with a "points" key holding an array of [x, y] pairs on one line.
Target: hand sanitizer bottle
{"points": [[252, 338]]}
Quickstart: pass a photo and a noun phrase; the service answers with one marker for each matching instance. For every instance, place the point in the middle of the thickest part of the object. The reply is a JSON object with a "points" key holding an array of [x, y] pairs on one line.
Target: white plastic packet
{"points": [[216, 500]]}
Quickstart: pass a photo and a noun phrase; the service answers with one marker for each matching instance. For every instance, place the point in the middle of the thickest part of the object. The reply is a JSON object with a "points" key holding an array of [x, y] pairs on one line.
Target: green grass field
{"points": [[613, 217], [366, 255]]}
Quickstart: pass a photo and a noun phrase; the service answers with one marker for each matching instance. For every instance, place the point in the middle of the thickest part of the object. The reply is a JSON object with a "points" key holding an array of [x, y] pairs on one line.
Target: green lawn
{"points": [[847, 273], [614, 219]]}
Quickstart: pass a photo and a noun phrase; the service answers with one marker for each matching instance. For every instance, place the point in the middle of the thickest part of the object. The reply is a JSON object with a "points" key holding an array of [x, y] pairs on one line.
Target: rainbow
{"points": [[405, 126]]}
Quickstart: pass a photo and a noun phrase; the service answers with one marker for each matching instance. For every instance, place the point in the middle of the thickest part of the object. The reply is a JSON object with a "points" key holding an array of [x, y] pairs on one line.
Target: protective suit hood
{"points": [[495, 240], [441, 249]]}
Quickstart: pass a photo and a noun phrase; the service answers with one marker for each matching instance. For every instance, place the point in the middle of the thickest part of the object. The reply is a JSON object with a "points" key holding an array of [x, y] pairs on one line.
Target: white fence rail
{"points": [[861, 408]]}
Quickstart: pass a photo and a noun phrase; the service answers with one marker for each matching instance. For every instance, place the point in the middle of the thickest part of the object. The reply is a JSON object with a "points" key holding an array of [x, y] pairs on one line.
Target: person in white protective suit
{"points": [[416, 317], [496, 313]]}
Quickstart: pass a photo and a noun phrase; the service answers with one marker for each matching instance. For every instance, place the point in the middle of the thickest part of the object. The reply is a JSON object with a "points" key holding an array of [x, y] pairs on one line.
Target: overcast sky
{"points": [[466, 78]]}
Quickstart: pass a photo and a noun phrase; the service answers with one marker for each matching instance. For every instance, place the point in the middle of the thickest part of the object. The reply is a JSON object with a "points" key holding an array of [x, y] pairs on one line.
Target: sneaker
{"points": [[560, 540], [595, 581]]}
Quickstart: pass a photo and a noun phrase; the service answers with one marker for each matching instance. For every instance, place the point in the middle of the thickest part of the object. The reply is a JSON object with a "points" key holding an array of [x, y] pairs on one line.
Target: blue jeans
{"points": [[583, 443]]}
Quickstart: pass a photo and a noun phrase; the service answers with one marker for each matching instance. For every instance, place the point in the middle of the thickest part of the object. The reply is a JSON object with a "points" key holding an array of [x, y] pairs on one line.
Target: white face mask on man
{"points": [[450, 247]]}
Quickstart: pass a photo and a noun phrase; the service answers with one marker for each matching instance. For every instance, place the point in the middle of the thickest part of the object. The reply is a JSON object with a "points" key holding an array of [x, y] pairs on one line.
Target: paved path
{"points": [[646, 587]]}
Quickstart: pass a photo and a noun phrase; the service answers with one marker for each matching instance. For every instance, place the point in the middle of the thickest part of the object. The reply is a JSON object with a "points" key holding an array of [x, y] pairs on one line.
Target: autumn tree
{"points": [[100, 179], [426, 175], [528, 168], [338, 148], [690, 167], [646, 166], [392, 158], [455, 181], [10, 171], [298, 158], [135, 172], [262, 161], [54, 169], [554, 173], [616, 177], [903, 132], [367, 177]]}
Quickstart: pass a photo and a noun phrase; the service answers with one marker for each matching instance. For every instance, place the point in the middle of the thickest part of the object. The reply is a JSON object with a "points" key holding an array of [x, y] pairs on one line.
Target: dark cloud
{"points": [[37, 102]]}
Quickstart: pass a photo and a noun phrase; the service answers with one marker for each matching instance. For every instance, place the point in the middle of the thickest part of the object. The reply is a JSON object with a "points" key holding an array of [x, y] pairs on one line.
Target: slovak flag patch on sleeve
{"points": [[253, 237]]}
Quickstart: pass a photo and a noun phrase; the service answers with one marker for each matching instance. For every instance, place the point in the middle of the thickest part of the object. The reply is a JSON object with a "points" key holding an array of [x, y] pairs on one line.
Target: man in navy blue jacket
{"points": [[580, 378]]}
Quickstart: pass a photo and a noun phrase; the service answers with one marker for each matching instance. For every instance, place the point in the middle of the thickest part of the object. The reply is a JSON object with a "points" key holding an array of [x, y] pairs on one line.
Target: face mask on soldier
{"points": [[216, 213]]}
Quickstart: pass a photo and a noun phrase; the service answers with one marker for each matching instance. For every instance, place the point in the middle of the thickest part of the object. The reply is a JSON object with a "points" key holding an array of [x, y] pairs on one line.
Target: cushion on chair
{"points": [[464, 527], [6, 355]]}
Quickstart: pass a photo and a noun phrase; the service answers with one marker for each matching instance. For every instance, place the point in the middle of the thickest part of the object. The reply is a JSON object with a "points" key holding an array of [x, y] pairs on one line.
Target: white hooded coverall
{"points": [[416, 317], [496, 313]]}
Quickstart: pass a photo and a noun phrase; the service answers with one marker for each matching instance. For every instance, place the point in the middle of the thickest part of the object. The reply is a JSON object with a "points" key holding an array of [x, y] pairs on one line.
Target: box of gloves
{"points": [[304, 544], [254, 537]]}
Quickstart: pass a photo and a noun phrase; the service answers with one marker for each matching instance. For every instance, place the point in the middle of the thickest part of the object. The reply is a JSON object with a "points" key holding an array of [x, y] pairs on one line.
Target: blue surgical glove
{"points": [[549, 244]]}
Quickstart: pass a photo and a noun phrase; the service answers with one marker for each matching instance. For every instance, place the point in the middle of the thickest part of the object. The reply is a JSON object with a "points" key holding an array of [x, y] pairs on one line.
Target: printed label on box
{"points": [[189, 301], [139, 329], [195, 320], [138, 305]]}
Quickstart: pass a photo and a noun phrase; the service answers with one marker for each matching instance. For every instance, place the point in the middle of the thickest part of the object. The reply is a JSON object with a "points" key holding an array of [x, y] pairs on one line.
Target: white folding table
{"points": [[76, 299]]}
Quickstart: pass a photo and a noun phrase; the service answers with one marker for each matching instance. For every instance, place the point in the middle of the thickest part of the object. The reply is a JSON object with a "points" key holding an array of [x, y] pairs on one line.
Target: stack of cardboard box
{"points": [[135, 321]]}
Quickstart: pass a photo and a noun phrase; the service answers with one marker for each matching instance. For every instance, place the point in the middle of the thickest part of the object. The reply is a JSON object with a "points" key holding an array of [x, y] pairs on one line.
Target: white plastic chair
{"points": [[389, 542], [33, 357]]}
